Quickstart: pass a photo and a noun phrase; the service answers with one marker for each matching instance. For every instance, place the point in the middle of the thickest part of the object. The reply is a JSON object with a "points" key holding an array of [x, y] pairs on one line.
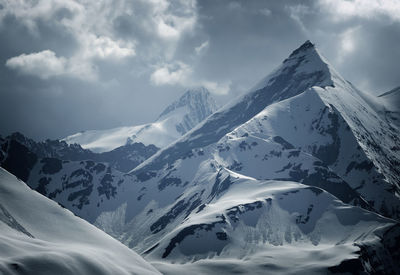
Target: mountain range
{"points": [[304, 169]]}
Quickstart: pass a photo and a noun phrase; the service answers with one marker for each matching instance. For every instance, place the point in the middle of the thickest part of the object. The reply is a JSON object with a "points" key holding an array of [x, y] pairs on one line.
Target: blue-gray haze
{"points": [[67, 66]]}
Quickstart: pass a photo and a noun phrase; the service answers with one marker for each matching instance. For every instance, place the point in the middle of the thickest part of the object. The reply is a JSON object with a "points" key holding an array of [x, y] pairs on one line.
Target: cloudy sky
{"points": [[72, 65]]}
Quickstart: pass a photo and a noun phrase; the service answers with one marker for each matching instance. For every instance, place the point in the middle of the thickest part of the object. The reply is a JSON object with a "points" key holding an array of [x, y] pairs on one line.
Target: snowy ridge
{"points": [[293, 77], [275, 221], [305, 60], [302, 162], [182, 115], [327, 132], [299, 129], [40, 237]]}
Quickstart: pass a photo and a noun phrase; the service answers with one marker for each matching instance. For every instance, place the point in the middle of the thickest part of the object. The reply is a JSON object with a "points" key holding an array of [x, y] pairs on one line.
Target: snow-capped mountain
{"points": [[371, 139], [182, 115], [303, 162], [192, 107], [40, 237]]}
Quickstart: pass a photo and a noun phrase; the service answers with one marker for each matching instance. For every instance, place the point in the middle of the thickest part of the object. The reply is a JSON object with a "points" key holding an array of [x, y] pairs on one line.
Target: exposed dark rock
{"points": [[190, 230], [19, 161], [283, 142], [51, 165], [220, 186]]}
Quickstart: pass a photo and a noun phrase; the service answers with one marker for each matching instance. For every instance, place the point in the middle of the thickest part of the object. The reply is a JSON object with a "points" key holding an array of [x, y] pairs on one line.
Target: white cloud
{"points": [[169, 24], [104, 47], [362, 8], [217, 88], [43, 64], [29, 12], [203, 47], [92, 25], [181, 74], [171, 74], [47, 64], [167, 31]]}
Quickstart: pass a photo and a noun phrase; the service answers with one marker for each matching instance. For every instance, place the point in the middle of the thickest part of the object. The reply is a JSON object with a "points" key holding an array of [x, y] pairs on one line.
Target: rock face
{"points": [[303, 164], [68, 174], [182, 115], [18, 151]]}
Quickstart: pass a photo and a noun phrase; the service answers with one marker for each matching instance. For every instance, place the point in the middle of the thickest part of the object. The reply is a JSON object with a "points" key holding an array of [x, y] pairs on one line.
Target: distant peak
{"points": [[305, 47], [193, 95], [195, 91], [194, 98]]}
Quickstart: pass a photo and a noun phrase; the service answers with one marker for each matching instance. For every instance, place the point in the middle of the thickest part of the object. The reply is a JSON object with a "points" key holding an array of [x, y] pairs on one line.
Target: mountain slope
{"points": [[39, 237], [329, 137], [276, 223], [178, 118], [305, 127], [303, 69], [303, 162], [76, 178]]}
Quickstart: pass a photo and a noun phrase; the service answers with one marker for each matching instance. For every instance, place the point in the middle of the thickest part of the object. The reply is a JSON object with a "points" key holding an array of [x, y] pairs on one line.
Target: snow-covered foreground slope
{"points": [[178, 118], [40, 237]]}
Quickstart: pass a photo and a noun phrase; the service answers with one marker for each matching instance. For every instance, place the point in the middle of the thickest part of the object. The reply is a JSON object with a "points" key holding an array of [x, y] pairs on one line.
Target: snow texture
{"points": [[303, 169], [40, 237]]}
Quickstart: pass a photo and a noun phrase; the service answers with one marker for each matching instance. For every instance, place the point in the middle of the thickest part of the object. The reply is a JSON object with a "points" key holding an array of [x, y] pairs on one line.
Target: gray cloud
{"points": [[67, 66]]}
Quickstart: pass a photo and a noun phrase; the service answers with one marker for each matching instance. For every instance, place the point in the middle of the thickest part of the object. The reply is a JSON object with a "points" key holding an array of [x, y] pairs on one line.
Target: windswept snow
{"points": [[40, 237]]}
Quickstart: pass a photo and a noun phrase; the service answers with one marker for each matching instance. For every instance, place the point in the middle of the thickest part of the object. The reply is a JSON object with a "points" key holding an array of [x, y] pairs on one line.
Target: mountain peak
{"points": [[198, 102], [191, 108], [303, 69], [196, 90], [303, 48], [305, 66]]}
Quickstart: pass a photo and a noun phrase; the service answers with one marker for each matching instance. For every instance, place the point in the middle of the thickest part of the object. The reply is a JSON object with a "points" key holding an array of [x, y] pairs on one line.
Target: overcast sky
{"points": [[72, 65]]}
